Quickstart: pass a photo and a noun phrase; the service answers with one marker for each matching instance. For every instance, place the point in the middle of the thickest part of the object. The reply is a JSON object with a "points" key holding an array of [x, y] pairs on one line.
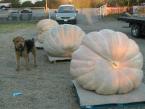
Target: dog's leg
{"points": [[17, 62], [34, 56], [27, 61]]}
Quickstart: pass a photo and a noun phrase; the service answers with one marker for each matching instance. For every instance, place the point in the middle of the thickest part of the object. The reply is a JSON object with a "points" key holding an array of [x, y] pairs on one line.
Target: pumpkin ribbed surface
{"points": [[107, 62], [44, 25], [62, 40]]}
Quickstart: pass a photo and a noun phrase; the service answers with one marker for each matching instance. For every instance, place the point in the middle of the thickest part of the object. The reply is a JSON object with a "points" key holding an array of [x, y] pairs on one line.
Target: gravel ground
{"points": [[49, 85]]}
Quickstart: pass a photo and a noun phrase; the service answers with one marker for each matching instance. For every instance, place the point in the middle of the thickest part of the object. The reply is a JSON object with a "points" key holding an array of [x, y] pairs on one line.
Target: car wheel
{"points": [[135, 30]]}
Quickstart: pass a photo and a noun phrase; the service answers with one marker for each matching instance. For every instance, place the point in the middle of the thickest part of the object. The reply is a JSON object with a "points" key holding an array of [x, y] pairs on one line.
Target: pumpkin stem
{"points": [[115, 65]]}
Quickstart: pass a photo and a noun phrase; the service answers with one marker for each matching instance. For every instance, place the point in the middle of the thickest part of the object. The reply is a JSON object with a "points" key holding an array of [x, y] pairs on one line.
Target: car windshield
{"points": [[66, 9]]}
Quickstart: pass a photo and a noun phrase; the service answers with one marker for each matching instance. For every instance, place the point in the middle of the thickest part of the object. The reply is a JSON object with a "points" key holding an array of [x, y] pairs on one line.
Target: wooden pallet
{"points": [[90, 100], [38, 45], [55, 59]]}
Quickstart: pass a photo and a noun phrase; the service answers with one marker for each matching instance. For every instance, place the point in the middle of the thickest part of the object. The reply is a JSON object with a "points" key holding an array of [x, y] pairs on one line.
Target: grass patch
{"points": [[11, 27]]}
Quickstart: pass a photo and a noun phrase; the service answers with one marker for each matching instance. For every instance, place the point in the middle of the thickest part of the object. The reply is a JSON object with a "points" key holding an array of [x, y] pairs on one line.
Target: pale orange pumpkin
{"points": [[44, 25], [107, 62], [63, 40]]}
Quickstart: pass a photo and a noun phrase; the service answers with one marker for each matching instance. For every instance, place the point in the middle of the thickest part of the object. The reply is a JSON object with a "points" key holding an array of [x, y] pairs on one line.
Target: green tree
{"points": [[15, 3], [52, 3], [39, 4], [97, 3], [5, 1], [27, 4], [125, 2]]}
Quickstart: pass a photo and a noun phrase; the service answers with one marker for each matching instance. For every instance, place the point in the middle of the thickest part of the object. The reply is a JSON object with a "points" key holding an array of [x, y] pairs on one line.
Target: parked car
{"points": [[66, 14], [4, 14], [5, 5], [26, 14], [13, 14]]}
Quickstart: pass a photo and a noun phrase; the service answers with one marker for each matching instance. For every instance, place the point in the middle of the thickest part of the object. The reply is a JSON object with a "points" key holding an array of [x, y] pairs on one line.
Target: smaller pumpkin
{"points": [[44, 25], [62, 40]]}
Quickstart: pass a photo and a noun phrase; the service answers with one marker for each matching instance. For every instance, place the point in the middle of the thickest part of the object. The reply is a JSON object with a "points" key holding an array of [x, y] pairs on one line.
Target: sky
{"points": [[33, 1]]}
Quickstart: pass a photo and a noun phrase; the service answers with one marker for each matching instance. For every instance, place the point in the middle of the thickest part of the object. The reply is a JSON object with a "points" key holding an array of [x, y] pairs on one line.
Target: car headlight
{"points": [[58, 17]]}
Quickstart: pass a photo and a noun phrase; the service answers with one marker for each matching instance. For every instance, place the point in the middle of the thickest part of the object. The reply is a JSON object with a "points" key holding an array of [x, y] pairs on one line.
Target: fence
{"points": [[116, 10], [38, 13], [139, 10], [104, 10]]}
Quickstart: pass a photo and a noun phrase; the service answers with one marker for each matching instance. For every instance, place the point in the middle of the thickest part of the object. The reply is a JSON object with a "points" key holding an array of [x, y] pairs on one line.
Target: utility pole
{"points": [[47, 9], [70, 1], [77, 3]]}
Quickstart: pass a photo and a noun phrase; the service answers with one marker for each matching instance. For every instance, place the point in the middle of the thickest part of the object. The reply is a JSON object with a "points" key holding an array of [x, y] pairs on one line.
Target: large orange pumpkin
{"points": [[107, 62]]}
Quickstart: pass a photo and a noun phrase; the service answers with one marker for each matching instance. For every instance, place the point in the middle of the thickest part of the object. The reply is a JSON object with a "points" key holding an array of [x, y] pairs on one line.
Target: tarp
{"points": [[90, 98]]}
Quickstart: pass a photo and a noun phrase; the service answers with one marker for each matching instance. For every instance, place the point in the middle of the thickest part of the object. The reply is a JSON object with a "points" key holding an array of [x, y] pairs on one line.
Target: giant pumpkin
{"points": [[44, 25], [107, 62], [62, 40]]}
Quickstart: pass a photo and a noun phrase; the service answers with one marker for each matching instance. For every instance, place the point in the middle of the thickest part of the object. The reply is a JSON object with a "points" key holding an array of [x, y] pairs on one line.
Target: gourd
{"points": [[107, 62], [62, 40], [44, 25]]}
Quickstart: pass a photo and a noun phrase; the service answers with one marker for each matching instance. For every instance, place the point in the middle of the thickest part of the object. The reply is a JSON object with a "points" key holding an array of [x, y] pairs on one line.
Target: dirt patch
{"points": [[49, 85]]}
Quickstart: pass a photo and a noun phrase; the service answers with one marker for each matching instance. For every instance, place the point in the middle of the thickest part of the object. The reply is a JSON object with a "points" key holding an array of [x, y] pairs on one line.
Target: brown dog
{"points": [[23, 48]]}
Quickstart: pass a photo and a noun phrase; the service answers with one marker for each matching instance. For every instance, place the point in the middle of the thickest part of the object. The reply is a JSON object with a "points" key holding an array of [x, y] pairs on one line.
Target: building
{"points": [[33, 1]]}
